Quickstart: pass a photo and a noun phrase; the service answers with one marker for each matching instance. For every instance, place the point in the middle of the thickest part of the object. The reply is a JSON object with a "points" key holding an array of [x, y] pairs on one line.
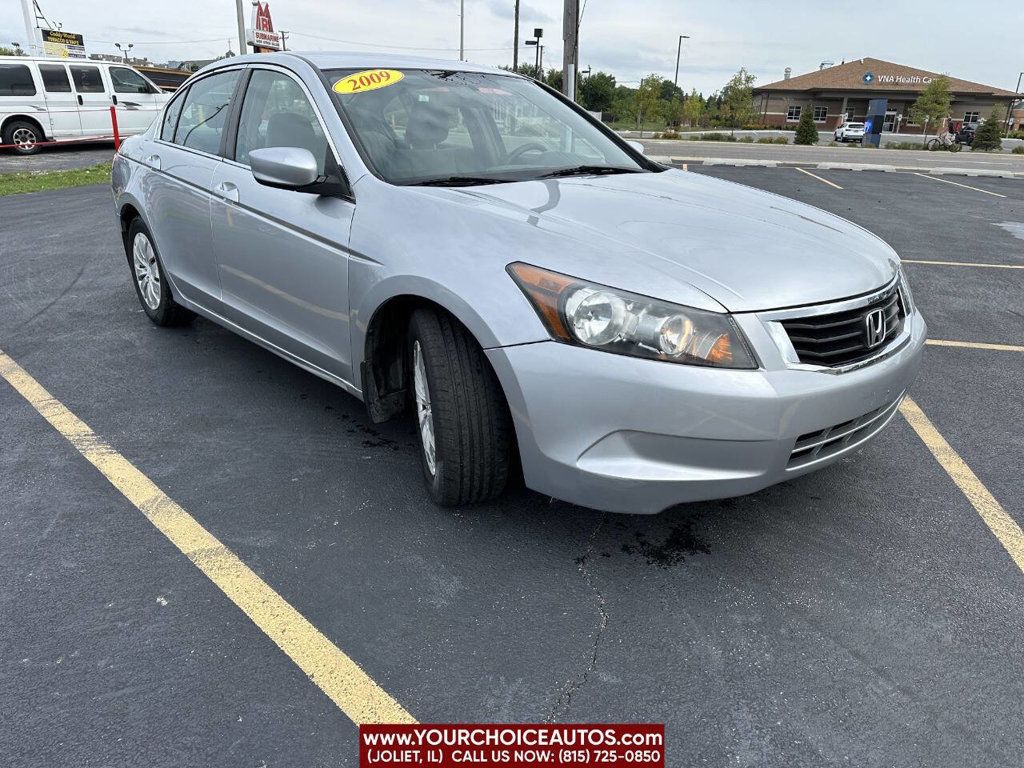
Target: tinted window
{"points": [[55, 78], [128, 81], [205, 111], [276, 113], [170, 120], [16, 80], [87, 79]]}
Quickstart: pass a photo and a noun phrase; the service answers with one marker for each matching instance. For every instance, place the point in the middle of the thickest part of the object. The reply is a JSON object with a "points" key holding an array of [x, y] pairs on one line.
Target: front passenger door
{"points": [[282, 253]]}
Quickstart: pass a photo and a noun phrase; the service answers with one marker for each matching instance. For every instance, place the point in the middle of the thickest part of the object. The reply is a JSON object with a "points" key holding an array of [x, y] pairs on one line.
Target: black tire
{"points": [[472, 428], [24, 135], [160, 307]]}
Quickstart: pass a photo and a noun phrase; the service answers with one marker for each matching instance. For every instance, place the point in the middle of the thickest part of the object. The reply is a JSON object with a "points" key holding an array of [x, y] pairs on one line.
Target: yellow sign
{"points": [[370, 80]]}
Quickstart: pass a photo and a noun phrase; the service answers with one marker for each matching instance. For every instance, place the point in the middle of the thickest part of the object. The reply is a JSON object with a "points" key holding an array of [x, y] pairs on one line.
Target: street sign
{"points": [[262, 36], [62, 45]]}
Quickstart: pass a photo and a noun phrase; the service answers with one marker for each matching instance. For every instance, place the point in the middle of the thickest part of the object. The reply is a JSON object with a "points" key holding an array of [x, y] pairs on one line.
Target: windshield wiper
{"points": [[587, 170], [458, 181]]}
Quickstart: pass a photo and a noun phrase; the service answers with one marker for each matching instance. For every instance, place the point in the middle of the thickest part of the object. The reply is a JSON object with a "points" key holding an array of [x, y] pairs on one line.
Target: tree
{"points": [[673, 111], [737, 104], [932, 104], [597, 92], [806, 130], [646, 98], [989, 134], [693, 108], [15, 51]]}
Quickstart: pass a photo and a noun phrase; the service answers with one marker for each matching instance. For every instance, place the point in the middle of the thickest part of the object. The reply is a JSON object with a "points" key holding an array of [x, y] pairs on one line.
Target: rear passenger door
{"points": [[177, 189], [61, 103], [93, 101], [282, 253]]}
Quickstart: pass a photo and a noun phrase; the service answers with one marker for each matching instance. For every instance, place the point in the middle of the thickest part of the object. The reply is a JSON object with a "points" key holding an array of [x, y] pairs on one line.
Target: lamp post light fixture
{"points": [[538, 33], [124, 50], [679, 51]]}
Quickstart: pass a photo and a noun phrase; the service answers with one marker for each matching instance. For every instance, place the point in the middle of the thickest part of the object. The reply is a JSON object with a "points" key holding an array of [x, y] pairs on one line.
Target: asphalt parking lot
{"points": [[864, 615]]}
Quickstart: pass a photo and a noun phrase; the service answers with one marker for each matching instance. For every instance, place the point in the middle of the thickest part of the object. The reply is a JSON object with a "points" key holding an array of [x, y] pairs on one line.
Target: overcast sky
{"points": [[980, 40]]}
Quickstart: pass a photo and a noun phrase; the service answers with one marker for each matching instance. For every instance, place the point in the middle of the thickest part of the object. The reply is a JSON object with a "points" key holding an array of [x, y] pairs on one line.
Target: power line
{"points": [[390, 46]]}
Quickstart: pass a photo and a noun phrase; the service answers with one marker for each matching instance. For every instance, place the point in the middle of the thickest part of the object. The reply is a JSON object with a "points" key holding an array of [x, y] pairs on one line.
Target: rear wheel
{"points": [[150, 282], [462, 420], [23, 137]]}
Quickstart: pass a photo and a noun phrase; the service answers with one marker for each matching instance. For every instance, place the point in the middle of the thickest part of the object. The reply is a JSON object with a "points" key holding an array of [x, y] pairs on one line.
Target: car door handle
{"points": [[227, 190], [153, 161], [80, 100], [113, 98]]}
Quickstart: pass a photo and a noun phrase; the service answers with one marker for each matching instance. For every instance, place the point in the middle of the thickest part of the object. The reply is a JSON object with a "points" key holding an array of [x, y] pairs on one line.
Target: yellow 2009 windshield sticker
{"points": [[370, 80]]}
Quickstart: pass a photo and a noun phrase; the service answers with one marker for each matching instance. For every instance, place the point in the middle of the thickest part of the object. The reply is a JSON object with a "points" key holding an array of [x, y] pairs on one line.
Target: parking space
{"points": [[864, 614]]}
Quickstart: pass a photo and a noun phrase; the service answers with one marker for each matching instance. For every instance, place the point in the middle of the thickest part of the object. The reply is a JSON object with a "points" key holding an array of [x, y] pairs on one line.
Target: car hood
{"points": [[747, 249]]}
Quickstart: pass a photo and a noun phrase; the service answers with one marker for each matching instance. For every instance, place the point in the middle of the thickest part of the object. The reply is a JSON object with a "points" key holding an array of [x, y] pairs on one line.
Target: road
{"points": [[812, 155], [863, 615]]}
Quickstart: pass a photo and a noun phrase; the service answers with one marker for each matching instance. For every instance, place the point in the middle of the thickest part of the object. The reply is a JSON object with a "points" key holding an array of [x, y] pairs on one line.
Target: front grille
{"points": [[813, 447], [841, 338]]}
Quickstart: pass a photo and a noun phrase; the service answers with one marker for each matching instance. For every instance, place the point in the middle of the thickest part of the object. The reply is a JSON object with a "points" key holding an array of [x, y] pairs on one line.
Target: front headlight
{"points": [[908, 297], [579, 312]]}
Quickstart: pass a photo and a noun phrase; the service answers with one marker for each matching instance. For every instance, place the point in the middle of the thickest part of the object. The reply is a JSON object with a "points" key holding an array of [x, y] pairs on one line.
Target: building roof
{"points": [[875, 74]]}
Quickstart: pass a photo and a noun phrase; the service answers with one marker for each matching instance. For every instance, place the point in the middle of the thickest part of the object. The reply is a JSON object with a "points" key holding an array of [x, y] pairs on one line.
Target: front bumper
{"points": [[623, 434]]}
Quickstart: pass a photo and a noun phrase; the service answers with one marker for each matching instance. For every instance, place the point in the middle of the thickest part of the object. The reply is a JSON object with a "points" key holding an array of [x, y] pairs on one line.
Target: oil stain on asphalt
{"points": [[680, 543]]}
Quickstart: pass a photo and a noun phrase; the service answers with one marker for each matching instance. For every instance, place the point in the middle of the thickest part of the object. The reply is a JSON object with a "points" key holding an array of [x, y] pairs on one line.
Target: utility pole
{"points": [[515, 41], [240, 18], [462, 30], [1009, 109], [679, 50], [284, 37], [30, 28], [570, 31]]}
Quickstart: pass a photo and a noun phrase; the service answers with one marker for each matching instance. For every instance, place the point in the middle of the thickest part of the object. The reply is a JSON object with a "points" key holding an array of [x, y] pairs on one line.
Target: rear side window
{"points": [[55, 78], [204, 112], [16, 80], [170, 120], [87, 79], [128, 81]]}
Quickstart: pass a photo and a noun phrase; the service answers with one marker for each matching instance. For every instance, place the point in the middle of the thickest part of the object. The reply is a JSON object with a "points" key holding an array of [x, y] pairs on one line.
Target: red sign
{"points": [[495, 745], [263, 34]]}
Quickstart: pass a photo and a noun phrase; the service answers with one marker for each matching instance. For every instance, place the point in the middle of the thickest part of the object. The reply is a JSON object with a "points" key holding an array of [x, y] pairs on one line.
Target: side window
{"points": [[128, 81], [87, 79], [55, 78], [170, 120], [16, 80], [276, 113], [204, 112]]}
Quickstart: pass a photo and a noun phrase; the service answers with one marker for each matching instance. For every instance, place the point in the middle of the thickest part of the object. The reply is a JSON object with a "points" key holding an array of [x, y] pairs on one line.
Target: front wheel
{"points": [[464, 427], [933, 144]]}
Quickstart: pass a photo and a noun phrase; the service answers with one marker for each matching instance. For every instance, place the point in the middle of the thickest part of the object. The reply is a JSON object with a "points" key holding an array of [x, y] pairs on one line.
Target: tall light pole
{"points": [[515, 40], [462, 30], [538, 58], [679, 51], [240, 18]]}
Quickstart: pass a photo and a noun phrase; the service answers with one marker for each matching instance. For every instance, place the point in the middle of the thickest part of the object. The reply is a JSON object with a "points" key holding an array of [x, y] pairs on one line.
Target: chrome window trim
{"points": [[182, 93], [772, 321]]}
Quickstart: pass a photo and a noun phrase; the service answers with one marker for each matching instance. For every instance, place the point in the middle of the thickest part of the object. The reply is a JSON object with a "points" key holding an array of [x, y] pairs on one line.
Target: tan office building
{"points": [[845, 89]]}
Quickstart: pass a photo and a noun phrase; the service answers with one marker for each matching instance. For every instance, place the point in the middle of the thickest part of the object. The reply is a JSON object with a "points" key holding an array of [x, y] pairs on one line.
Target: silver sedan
{"points": [[463, 246]]}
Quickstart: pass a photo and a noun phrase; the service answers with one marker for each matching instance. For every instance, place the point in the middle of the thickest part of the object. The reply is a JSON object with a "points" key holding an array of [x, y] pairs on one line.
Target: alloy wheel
{"points": [[147, 271], [424, 416]]}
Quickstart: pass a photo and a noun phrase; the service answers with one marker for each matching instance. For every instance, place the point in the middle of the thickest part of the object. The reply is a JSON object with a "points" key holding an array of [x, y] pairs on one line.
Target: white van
{"points": [[60, 99]]}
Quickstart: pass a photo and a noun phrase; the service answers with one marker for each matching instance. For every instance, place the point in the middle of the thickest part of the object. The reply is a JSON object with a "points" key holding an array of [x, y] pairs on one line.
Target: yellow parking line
{"points": [[962, 264], [824, 181], [338, 676], [957, 184], [991, 511], [976, 345]]}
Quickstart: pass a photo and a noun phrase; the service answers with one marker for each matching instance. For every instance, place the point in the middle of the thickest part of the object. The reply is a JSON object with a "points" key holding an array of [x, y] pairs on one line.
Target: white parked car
{"points": [[45, 99], [850, 132]]}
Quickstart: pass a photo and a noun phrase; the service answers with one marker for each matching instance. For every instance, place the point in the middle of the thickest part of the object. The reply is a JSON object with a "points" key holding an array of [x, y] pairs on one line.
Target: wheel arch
{"points": [[380, 347], [23, 119]]}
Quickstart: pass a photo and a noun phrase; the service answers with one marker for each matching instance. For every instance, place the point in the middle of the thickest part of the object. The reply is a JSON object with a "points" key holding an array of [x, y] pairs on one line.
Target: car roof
{"points": [[355, 60], [60, 60]]}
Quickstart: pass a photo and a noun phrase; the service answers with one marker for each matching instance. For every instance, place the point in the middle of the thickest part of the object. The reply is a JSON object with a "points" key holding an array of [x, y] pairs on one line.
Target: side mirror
{"points": [[637, 146], [284, 167]]}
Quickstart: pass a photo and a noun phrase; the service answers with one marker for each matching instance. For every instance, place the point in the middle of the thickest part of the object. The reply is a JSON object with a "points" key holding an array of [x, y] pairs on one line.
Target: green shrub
{"points": [[988, 135], [747, 139], [780, 140], [904, 145], [806, 130], [713, 136], [1019, 150], [766, 140]]}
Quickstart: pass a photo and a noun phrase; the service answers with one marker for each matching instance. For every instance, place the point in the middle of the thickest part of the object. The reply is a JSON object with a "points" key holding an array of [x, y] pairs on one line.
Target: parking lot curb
{"points": [[830, 166]]}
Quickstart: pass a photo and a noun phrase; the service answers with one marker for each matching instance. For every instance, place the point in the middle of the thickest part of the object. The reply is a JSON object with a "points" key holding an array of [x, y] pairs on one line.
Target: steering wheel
{"points": [[530, 146]]}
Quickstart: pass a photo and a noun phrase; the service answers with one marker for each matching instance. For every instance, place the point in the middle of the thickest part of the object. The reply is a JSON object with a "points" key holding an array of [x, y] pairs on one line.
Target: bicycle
{"points": [[949, 142]]}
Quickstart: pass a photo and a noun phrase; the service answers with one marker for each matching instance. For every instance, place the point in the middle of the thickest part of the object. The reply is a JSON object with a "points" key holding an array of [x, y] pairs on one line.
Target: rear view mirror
{"points": [[284, 167]]}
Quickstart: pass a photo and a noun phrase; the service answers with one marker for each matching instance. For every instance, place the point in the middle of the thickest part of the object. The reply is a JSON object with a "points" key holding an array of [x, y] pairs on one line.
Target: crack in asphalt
{"points": [[575, 683]]}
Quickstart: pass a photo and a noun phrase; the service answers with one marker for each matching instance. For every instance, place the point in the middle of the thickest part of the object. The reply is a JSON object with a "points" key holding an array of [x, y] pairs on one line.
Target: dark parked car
{"points": [[966, 133]]}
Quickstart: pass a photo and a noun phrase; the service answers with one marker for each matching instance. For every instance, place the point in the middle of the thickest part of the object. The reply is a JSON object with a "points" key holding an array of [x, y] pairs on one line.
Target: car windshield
{"points": [[461, 128], [855, 125]]}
